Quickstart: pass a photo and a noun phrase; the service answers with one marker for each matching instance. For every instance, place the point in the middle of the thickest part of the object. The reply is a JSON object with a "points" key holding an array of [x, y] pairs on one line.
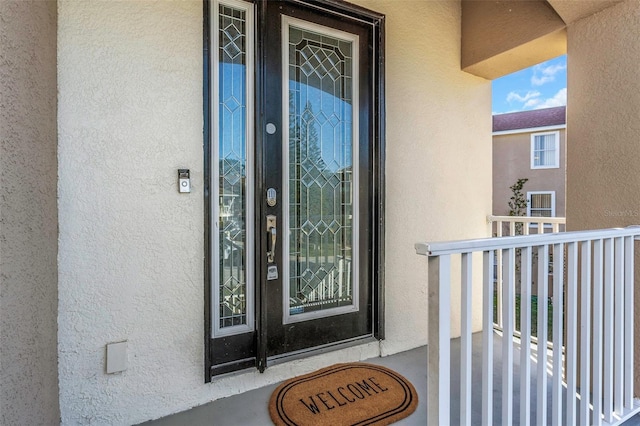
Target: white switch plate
{"points": [[116, 357]]}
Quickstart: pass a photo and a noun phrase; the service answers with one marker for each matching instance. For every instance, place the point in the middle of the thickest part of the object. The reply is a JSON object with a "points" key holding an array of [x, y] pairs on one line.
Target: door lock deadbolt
{"points": [[271, 197]]}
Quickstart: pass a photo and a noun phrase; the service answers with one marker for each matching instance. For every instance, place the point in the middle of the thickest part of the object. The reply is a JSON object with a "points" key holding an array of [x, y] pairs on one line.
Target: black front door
{"points": [[316, 146], [294, 170]]}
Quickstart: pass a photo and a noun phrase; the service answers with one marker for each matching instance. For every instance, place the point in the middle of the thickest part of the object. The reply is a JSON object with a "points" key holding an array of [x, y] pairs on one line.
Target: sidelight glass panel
{"points": [[321, 170], [233, 301]]}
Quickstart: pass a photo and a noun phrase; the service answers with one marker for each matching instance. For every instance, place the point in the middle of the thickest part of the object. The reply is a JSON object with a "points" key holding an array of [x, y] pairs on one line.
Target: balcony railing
{"points": [[518, 225], [592, 352], [524, 225]]}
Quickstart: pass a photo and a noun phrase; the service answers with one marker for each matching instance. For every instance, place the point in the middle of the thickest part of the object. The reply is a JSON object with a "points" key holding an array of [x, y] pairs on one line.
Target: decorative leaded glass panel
{"points": [[321, 168], [232, 166]]}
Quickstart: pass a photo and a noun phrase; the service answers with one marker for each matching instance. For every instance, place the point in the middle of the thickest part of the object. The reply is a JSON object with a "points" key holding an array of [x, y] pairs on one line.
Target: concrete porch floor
{"points": [[250, 408]]}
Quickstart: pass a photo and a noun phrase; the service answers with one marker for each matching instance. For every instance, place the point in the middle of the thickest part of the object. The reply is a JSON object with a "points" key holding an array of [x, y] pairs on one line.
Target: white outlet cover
{"points": [[116, 357]]}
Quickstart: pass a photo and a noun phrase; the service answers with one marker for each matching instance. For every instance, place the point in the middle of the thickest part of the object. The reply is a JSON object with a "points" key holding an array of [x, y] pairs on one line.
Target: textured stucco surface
{"points": [[131, 247], [603, 183], [28, 214], [438, 156], [602, 116]]}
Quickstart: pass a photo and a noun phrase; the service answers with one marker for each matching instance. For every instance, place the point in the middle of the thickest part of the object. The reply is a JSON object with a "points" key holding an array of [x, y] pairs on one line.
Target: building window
{"points": [[545, 152], [541, 204]]}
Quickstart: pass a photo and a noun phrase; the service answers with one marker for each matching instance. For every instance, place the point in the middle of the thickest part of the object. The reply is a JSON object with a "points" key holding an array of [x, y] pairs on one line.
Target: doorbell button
{"points": [[184, 180]]}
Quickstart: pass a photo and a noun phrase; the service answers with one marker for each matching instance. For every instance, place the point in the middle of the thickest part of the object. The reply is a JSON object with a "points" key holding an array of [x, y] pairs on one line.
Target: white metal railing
{"points": [[507, 225], [598, 345], [517, 225]]}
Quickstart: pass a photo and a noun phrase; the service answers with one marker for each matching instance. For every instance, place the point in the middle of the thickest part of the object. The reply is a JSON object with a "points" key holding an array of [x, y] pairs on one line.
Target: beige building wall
{"points": [[438, 156], [28, 214], [131, 247], [512, 161], [603, 183]]}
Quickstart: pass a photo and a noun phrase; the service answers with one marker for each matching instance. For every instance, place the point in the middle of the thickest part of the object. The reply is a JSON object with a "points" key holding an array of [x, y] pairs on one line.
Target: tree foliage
{"points": [[518, 201]]}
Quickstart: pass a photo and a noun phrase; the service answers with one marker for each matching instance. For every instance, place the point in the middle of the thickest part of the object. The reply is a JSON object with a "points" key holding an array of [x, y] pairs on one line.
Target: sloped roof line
{"points": [[530, 119]]}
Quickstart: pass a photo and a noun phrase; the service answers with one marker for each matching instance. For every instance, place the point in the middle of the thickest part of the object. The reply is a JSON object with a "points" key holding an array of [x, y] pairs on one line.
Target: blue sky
{"points": [[541, 86]]}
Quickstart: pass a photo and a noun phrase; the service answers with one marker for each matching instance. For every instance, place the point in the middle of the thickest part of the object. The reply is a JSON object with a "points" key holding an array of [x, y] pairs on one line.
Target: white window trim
{"points": [[553, 206], [557, 150]]}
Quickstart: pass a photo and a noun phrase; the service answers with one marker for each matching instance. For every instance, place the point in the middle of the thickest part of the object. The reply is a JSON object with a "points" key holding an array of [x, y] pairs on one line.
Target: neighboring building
{"points": [[531, 145]]}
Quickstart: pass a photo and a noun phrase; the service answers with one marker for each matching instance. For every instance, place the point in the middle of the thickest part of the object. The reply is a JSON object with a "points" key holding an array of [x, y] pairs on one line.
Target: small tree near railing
{"points": [[518, 202], [518, 207]]}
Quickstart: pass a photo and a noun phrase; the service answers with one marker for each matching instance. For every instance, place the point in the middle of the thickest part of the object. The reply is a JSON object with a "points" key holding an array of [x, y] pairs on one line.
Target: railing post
{"points": [[585, 331], [498, 279], [439, 347], [525, 342], [508, 315], [608, 330], [487, 339], [598, 276], [543, 316], [618, 362], [558, 308], [572, 332], [465, 339], [629, 259]]}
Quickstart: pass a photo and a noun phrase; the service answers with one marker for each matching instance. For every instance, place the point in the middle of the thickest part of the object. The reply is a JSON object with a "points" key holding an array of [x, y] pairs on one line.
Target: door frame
{"points": [[377, 192]]}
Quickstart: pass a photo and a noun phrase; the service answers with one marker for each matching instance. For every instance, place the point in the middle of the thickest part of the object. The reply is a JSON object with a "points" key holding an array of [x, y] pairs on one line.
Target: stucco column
{"points": [[603, 145], [28, 214]]}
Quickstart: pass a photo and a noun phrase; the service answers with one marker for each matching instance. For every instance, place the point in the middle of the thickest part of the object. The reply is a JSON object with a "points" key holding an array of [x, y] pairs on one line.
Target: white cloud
{"points": [[542, 74], [559, 99], [532, 103], [515, 96]]}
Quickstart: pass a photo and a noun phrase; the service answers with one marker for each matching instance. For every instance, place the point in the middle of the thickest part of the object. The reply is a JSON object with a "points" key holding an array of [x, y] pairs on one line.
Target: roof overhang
{"points": [[574, 10], [503, 36]]}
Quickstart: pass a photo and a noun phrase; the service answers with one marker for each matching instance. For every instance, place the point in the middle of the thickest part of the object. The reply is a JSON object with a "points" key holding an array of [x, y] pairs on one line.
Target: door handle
{"points": [[271, 230]]}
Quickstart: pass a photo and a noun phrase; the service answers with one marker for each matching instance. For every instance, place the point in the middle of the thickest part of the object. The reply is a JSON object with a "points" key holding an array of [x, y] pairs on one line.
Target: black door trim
{"points": [[206, 134], [377, 192]]}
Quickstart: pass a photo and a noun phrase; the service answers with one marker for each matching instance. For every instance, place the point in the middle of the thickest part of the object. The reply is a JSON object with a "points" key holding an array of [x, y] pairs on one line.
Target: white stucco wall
{"points": [[28, 214], [131, 247], [438, 155]]}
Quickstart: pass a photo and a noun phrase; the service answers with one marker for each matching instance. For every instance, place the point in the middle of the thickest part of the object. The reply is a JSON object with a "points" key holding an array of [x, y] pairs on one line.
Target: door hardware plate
{"points": [[272, 272]]}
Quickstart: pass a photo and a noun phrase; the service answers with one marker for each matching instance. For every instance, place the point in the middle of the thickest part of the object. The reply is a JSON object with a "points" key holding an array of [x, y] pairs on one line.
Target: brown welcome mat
{"points": [[344, 394]]}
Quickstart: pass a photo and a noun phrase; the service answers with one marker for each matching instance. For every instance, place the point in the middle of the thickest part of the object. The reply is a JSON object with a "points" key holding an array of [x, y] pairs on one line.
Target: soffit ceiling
{"points": [[503, 36], [573, 10]]}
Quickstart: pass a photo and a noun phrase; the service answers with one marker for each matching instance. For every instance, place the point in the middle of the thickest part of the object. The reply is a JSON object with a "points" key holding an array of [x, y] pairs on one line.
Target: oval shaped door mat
{"points": [[344, 394]]}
